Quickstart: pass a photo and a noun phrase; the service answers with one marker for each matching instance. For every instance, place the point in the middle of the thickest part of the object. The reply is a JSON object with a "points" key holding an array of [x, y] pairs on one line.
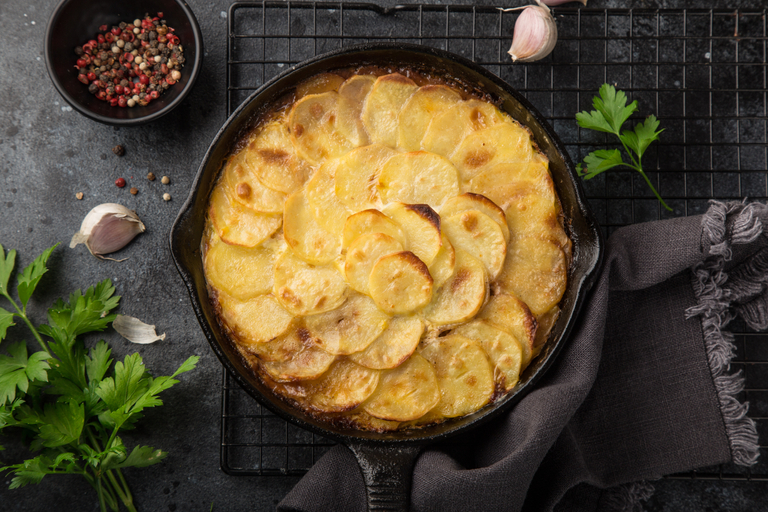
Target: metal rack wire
{"points": [[702, 72]]}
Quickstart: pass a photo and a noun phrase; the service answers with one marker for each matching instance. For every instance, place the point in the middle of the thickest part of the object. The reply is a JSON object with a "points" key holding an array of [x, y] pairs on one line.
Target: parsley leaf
{"points": [[140, 457], [63, 423], [31, 276], [6, 321], [6, 267], [17, 370], [610, 114]]}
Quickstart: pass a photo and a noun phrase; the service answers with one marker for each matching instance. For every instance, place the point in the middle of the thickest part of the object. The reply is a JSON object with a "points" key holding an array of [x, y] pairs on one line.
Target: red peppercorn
{"points": [[144, 79], [100, 38], [129, 57], [101, 95], [120, 182], [116, 31], [91, 76], [108, 37], [160, 15], [154, 95], [103, 28], [81, 63], [121, 101], [113, 102], [83, 78], [170, 81], [93, 42], [119, 89]]}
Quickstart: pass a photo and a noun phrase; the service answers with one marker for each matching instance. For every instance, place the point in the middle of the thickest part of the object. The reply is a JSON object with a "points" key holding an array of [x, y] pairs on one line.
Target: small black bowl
{"points": [[74, 22]]}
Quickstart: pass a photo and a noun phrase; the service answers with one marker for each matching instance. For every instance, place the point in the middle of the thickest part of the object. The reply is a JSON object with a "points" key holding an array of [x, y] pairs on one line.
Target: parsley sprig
{"points": [[71, 402], [610, 114]]}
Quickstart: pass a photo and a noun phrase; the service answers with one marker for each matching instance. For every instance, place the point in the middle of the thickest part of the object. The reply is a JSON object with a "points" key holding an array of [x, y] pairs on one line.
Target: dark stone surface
{"points": [[48, 153]]}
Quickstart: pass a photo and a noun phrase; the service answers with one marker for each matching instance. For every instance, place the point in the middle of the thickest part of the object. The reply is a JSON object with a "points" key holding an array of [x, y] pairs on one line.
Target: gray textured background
{"points": [[48, 153]]}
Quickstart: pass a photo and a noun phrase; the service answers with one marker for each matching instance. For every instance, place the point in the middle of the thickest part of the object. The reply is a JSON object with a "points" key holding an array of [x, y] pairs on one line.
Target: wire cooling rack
{"points": [[702, 72]]}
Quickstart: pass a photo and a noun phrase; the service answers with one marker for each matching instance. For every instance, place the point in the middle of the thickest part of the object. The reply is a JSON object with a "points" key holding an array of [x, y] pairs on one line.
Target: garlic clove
{"points": [[553, 3], [135, 330], [107, 228], [535, 34]]}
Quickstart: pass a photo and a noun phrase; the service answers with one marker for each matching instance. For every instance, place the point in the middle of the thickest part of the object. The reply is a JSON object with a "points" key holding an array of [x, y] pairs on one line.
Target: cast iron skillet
{"points": [[387, 459]]}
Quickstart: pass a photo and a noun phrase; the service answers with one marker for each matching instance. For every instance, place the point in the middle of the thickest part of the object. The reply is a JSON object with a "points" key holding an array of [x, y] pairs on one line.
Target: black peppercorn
{"points": [[122, 25], [79, 50], [128, 47], [118, 150]]}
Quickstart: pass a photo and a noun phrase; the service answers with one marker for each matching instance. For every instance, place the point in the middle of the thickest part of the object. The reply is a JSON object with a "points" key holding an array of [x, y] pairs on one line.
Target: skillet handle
{"points": [[387, 471]]}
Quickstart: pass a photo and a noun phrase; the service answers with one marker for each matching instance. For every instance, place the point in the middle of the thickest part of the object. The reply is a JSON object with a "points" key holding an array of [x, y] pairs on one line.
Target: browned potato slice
{"points": [[406, 392], [352, 95], [510, 314], [303, 233], [462, 295], [282, 348], [362, 255], [308, 364], [479, 235], [349, 329], [357, 176], [463, 373], [535, 271], [343, 387], [318, 84], [400, 283], [256, 320], [419, 110], [506, 142], [362, 418], [503, 349], [448, 128], [383, 105], [243, 185], [305, 289], [241, 272], [313, 128], [418, 178], [470, 201], [370, 221], [421, 226], [237, 225], [394, 346], [546, 322], [442, 266], [329, 212], [272, 158]]}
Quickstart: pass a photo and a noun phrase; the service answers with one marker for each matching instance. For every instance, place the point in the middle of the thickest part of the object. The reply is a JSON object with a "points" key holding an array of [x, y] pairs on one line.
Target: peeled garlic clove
{"points": [[535, 34], [135, 330], [108, 228], [553, 3]]}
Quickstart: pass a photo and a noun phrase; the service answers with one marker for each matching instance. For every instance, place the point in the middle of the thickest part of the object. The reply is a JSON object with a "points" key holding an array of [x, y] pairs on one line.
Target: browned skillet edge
{"points": [[387, 459]]}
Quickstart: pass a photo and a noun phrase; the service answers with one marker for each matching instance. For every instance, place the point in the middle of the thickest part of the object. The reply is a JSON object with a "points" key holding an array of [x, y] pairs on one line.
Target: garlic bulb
{"points": [[553, 3], [108, 228], [535, 34]]}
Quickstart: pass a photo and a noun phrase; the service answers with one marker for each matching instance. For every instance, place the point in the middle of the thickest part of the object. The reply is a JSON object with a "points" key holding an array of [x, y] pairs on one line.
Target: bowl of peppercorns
{"points": [[123, 63]]}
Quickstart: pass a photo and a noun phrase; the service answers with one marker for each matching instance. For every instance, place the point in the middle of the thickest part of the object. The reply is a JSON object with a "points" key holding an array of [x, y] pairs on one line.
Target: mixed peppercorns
{"points": [[132, 63]]}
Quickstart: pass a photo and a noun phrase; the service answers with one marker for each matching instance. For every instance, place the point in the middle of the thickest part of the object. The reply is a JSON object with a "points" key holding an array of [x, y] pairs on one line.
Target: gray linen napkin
{"points": [[641, 390]]}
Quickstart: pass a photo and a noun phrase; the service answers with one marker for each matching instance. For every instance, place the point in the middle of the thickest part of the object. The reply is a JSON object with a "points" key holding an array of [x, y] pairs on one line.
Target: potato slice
{"points": [[352, 95], [471, 201], [363, 254], [312, 123], [256, 320], [303, 233], [506, 142], [305, 289], [418, 112], [272, 159], [349, 329], [318, 84], [308, 364], [479, 235], [546, 323], [244, 186], [282, 348], [463, 373], [394, 345], [462, 295], [400, 283], [510, 314], [329, 212], [406, 392], [442, 266], [449, 127], [535, 271], [421, 226], [418, 178], [343, 387], [370, 221], [503, 349], [241, 272], [357, 176], [382, 107], [237, 225]]}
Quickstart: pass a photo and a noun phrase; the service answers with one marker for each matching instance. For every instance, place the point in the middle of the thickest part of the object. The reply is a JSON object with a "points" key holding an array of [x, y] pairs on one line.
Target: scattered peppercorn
{"points": [[79, 195], [151, 176], [120, 182], [166, 197], [165, 180], [134, 191], [118, 150]]}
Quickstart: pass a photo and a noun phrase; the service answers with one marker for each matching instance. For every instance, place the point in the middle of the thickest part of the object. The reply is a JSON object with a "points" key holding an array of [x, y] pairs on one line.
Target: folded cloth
{"points": [[642, 388]]}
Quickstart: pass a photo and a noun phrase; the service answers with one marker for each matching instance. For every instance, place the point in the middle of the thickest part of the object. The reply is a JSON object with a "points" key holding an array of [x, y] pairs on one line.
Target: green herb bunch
{"points": [[68, 402], [610, 114]]}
